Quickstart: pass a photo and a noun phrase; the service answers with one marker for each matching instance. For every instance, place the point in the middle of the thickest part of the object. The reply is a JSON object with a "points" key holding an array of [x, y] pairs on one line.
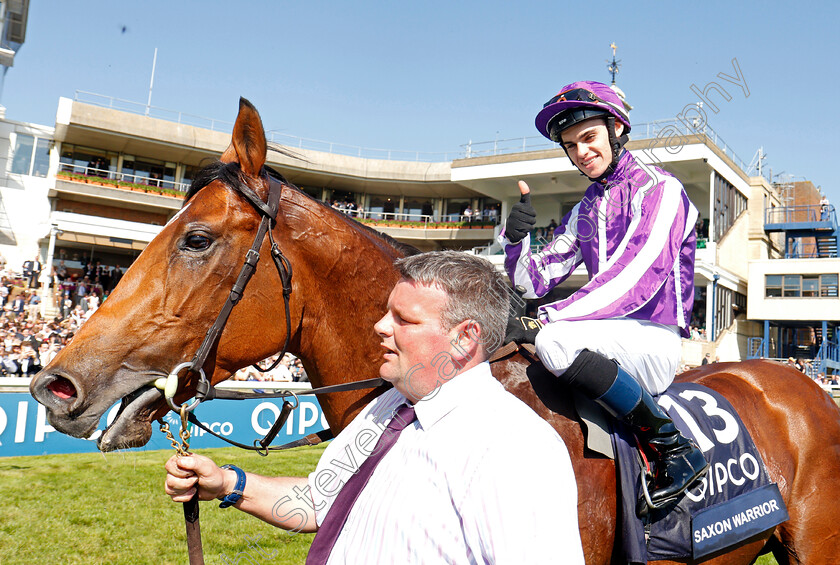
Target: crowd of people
{"points": [[290, 369], [30, 342]]}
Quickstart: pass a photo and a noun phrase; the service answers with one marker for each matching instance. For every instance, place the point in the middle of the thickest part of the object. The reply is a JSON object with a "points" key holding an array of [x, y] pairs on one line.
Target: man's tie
{"points": [[328, 533]]}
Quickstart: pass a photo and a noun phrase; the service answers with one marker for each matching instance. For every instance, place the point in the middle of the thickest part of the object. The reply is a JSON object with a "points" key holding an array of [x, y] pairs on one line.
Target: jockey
{"points": [[617, 338]]}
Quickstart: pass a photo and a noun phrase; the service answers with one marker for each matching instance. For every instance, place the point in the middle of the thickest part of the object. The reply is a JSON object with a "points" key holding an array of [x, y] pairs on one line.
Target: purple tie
{"points": [[328, 533]]}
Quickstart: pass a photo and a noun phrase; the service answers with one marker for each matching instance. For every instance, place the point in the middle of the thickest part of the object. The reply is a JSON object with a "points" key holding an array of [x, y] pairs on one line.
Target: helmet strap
{"points": [[616, 145]]}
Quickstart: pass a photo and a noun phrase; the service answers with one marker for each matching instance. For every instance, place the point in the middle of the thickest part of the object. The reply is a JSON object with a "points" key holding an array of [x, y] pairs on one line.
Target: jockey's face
{"points": [[588, 145]]}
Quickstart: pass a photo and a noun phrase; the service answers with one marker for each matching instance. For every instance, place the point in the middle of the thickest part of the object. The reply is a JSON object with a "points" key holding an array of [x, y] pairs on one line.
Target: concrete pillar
{"points": [[765, 349], [47, 302], [710, 309], [712, 206]]}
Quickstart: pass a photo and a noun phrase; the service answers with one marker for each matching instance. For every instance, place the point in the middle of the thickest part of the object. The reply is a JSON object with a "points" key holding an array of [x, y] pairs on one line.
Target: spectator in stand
{"points": [[81, 292], [466, 216], [29, 362], [9, 362], [34, 306], [298, 372], [707, 359], [19, 304], [4, 293], [824, 208], [47, 352]]}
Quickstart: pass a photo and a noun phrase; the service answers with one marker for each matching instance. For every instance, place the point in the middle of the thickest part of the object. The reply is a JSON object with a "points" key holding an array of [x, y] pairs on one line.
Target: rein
{"points": [[204, 389], [268, 212], [284, 269]]}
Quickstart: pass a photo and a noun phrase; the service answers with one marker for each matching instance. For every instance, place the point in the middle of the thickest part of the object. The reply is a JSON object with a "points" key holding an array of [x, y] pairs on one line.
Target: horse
{"points": [[157, 316]]}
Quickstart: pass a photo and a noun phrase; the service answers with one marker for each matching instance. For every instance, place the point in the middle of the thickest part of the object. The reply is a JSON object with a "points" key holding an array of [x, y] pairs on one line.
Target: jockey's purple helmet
{"points": [[591, 98]]}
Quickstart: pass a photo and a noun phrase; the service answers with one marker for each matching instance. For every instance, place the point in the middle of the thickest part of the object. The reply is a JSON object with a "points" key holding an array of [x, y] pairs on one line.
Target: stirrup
{"points": [[644, 505]]}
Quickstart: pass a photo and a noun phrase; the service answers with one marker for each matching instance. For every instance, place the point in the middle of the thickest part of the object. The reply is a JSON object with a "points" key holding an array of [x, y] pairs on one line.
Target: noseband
{"points": [[268, 211]]}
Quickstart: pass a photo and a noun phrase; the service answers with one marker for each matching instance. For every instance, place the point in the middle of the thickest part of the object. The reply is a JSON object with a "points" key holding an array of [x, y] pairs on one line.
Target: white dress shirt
{"points": [[477, 478]]}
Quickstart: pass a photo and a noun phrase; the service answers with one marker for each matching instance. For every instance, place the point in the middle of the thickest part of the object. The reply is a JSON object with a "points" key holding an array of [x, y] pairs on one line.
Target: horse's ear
{"points": [[247, 145]]}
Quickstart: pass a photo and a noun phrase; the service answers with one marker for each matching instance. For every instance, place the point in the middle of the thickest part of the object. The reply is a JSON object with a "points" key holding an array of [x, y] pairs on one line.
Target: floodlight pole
{"points": [[151, 83]]}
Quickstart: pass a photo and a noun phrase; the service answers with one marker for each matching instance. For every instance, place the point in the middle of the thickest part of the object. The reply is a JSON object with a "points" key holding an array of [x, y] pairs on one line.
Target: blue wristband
{"points": [[234, 496]]}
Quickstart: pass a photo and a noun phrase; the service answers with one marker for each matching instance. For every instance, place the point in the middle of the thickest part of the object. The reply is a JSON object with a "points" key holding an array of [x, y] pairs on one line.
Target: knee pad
{"points": [[591, 373]]}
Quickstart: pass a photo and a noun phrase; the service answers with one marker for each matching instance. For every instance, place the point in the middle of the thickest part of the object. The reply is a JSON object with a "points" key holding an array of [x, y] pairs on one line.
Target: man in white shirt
{"points": [[477, 477]]}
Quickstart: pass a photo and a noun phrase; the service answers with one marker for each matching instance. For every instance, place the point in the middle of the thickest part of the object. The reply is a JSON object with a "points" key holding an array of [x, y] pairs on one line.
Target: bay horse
{"points": [[157, 316]]}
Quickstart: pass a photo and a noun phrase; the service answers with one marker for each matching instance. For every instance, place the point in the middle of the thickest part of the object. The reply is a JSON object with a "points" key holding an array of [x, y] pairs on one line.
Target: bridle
{"points": [[268, 212], [204, 390]]}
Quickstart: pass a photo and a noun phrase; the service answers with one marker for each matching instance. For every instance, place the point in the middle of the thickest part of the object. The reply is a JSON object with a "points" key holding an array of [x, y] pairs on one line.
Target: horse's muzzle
{"points": [[64, 403]]}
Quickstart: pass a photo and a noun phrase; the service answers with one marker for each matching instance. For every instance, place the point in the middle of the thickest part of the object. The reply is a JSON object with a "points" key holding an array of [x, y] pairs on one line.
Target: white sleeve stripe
{"points": [[634, 223], [603, 296]]}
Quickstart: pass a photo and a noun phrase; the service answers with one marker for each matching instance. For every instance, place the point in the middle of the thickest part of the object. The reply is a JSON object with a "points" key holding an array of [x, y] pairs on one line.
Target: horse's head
{"points": [[158, 315]]}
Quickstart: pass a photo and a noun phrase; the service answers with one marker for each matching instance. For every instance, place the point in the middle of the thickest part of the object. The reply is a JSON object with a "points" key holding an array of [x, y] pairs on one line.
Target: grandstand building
{"points": [[101, 183]]}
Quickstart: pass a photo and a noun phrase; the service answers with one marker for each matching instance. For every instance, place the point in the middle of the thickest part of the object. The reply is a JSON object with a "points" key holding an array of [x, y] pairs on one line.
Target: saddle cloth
{"points": [[735, 500]]}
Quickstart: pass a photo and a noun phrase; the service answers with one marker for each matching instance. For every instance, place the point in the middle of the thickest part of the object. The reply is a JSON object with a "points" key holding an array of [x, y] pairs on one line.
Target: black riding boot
{"points": [[679, 462]]}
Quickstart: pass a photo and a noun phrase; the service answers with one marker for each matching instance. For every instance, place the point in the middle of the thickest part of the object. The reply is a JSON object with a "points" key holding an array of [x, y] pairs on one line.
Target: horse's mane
{"points": [[231, 175]]}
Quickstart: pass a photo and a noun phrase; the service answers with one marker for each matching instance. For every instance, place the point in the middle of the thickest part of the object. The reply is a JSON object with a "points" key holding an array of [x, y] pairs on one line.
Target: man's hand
{"points": [[183, 473], [522, 217]]}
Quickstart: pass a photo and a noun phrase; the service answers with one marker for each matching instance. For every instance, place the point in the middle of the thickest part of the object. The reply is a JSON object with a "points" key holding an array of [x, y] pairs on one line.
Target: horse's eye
{"points": [[197, 242]]}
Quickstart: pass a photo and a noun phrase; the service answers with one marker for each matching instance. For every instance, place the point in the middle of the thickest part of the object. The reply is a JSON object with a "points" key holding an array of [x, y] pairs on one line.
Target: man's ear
{"points": [[466, 342], [619, 128]]}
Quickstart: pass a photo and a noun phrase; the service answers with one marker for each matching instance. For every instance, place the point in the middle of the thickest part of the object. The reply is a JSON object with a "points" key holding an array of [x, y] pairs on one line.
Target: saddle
{"points": [[734, 501]]}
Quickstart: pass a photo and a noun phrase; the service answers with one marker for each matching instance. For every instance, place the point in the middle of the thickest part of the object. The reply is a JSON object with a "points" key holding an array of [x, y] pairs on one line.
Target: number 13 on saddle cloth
{"points": [[734, 501]]}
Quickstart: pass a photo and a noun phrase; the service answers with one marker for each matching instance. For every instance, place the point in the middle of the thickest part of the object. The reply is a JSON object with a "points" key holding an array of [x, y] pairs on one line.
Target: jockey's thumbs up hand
{"points": [[522, 217]]}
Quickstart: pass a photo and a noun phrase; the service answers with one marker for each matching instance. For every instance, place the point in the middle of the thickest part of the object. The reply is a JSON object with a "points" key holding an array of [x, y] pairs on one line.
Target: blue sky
{"points": [[431, 76]]}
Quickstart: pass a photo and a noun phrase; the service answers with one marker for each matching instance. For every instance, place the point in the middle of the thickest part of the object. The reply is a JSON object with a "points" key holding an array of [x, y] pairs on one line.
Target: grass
{"points": [[97, 508], [94, 509]]}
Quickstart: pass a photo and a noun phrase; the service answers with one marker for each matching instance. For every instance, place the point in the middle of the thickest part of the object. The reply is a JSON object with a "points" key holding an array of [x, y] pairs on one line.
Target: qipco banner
{"points": [[24, 429]]}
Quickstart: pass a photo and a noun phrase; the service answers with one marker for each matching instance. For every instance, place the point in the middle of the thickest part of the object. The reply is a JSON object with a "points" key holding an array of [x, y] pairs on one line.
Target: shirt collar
{"points": [[449, 395]]}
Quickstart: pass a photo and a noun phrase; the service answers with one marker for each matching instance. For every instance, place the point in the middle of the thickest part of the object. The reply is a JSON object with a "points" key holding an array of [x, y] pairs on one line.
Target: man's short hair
{"points": [[475, 290]]}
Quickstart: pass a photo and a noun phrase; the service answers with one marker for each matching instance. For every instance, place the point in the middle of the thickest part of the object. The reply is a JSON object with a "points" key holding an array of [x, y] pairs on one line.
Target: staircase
{"points": [[827, 245]]}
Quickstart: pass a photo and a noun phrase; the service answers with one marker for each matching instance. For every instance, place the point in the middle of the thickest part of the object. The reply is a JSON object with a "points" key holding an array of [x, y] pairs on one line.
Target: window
{"points": [[23, 154], [801, 286], [828, 285], [41, 163], [32, 155], [729, 205], [773, 286], [791, 285]]}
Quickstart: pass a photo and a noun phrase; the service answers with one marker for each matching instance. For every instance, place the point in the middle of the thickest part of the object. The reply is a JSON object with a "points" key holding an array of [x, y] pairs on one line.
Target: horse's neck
{"points": [[344, 275]]}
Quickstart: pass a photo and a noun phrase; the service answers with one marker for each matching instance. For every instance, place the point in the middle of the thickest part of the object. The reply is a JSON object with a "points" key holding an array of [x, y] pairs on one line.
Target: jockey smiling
{"points": [[617, 338]]}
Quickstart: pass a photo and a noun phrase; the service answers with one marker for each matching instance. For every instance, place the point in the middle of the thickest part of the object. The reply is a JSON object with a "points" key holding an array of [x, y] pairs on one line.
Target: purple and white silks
{"points": [[635, 235]]}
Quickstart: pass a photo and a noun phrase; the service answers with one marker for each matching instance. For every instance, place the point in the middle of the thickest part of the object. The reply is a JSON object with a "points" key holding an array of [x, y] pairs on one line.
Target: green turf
{"points": [[110, 508], [96, 509]]}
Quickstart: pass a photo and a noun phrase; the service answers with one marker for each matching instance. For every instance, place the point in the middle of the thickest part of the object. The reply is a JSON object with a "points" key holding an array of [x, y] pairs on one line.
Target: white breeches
{"points": [[649, 351]]}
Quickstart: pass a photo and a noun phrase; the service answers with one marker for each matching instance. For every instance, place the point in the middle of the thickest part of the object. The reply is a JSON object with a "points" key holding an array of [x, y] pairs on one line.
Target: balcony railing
{"points": [[805, 213], [271, 135], [93, 173], [647, 130], [408, 219]]}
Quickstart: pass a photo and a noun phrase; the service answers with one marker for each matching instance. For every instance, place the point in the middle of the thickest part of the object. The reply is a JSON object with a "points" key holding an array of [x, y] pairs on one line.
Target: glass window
{"points": [[828, 285], [23, 154], [772, 286], [42, 158], [810, 286], [188, 174], [791, 285]]}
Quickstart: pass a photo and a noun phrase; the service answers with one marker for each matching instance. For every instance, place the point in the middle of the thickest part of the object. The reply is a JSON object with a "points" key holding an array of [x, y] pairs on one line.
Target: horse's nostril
{"points": [[62, 388]]}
